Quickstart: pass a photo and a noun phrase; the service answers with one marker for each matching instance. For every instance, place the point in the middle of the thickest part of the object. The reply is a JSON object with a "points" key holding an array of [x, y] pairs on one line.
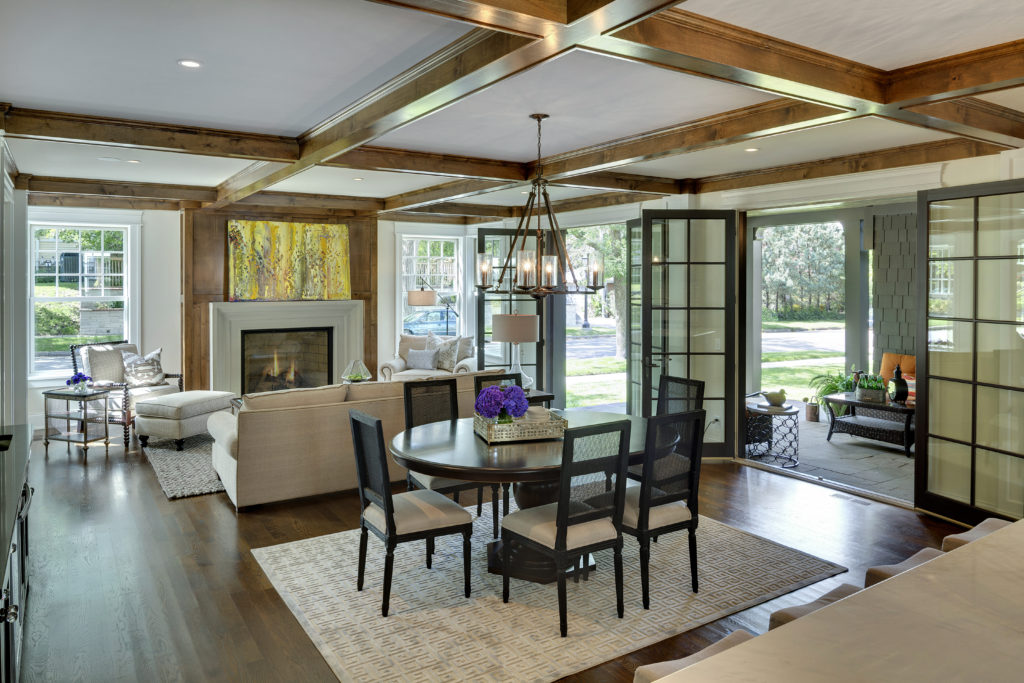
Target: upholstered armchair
{"points": [[103, 362], [398, 370]]}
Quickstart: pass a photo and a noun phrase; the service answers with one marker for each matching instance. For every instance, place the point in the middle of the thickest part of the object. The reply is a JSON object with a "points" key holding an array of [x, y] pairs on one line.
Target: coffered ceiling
{"points": [[428, 100]]}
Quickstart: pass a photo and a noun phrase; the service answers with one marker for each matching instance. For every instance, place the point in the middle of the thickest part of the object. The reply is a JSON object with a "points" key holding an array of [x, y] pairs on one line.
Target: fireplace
{"points": [[286, 358]]}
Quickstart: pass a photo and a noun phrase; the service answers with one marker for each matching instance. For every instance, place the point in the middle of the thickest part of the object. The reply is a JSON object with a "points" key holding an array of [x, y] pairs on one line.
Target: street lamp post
{"points": [[586, 301]]}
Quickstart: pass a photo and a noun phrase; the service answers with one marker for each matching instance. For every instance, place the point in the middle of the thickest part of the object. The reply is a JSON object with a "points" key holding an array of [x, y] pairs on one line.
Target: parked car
{"points": [[436, 320]]}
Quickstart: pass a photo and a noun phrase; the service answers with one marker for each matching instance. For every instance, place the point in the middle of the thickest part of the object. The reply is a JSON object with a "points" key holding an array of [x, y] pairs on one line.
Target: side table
{"points": [[81, 417], [773, 434]]}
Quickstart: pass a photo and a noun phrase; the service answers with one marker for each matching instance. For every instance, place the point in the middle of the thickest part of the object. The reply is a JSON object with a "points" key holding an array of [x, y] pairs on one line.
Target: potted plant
{"points": [[811, 410], [831, 383], [871, 388]]}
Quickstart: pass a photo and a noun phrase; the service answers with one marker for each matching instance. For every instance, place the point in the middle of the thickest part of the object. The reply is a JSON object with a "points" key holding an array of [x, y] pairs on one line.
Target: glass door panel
{"points": [[682, 266], [970, 428]]}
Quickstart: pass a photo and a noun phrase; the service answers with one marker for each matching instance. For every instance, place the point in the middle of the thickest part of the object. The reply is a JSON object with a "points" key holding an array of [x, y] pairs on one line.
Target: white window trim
{"points": [[466, 306], [71, 217]]}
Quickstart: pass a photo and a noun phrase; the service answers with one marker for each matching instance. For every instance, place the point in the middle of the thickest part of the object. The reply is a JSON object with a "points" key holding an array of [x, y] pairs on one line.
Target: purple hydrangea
{"points": [[490, 402], [516, 403]]}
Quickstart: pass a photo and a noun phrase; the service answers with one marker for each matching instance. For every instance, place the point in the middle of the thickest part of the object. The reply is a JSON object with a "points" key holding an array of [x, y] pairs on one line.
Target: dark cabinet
{"points": [[15, 502]]}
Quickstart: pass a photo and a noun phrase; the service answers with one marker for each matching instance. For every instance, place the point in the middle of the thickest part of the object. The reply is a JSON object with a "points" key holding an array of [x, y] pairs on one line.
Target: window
{"points": [[79, 275], [940, 273], [436, 262]]}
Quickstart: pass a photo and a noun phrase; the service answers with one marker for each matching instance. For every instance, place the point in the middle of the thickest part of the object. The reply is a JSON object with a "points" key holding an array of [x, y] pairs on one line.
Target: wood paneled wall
{"points": [[204, 280]]}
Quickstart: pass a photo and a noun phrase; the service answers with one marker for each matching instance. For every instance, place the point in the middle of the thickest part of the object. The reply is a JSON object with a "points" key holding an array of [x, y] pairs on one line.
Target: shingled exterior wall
{"points": [[895, 245]]}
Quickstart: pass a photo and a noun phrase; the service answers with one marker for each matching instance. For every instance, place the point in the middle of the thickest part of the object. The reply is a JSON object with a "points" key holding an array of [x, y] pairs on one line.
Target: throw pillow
{"points": [[103, 362], [142, 371], [447, 355], [422, 360]]}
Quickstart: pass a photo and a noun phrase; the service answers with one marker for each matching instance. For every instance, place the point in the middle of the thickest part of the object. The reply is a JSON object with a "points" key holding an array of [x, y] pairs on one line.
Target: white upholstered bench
{"points": [[178, 416]]}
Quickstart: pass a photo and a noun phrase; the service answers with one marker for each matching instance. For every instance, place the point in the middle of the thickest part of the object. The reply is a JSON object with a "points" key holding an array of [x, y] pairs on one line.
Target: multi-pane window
{"points": [[431, 262], [940, 273], [78, 290]]}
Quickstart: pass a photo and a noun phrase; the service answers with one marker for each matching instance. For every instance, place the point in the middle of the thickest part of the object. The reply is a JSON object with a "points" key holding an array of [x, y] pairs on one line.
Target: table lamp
{"points": [[516, 328]]}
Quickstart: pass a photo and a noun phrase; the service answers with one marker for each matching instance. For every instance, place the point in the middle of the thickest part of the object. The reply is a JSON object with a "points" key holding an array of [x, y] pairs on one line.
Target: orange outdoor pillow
{"points": [[907, 363]]}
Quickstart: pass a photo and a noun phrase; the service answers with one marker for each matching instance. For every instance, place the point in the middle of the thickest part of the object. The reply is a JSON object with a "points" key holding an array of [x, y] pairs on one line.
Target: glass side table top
{"points": [[71, 394]]}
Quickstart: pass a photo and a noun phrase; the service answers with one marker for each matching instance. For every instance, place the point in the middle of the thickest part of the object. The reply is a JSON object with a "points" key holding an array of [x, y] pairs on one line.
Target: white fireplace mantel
{"points": [[229, 319]]}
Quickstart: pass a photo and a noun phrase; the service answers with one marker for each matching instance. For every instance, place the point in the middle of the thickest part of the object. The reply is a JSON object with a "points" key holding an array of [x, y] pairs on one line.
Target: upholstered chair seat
{"points": [[417, 511], [540, 524]]}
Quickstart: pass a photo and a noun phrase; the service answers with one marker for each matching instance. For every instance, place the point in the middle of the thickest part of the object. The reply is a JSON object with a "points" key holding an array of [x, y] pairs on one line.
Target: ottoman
{"points": [[178, 416]]}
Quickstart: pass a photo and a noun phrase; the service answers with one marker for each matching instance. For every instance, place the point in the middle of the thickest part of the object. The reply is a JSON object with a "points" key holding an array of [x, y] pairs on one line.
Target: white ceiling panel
{"points": [[833, 140], [341, 181], [1012, 98], [268, 66], [882, 33], [591, 99], [98, 162], [519, 197]]}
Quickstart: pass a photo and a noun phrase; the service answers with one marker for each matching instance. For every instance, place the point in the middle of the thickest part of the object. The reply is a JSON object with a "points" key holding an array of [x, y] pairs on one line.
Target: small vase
{"points": [[80, 388]]}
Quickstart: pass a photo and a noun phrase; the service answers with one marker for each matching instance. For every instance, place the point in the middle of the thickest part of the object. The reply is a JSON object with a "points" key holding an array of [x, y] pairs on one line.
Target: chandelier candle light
{"points": [[523, 273]]}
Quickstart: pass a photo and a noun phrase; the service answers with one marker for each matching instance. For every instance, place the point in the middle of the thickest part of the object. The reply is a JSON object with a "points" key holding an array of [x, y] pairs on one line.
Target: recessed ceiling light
{"points": [[189, 63], [132, 161], [523, 192], [357, 179], [107, 159], [751, 149]]}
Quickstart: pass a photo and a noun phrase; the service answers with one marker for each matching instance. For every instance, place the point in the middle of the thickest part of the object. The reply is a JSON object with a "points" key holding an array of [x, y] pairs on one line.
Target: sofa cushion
{"points": [[296, 398], [183, 405], [365, 391], [141, 393], [103, 362], [419, 341]]}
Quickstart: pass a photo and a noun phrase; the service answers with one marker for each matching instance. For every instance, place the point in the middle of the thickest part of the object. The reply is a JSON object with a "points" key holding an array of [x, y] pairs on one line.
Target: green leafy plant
{"points": [[831, 383], [871, 382]]}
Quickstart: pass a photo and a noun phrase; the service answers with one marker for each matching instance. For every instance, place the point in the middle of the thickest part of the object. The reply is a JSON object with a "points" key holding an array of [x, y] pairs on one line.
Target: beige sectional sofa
{"points": [[289, 444]]}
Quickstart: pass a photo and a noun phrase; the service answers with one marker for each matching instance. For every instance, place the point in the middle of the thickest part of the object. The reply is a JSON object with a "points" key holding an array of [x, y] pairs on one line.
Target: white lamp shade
{"points": [[422, 297], [515, 327]]}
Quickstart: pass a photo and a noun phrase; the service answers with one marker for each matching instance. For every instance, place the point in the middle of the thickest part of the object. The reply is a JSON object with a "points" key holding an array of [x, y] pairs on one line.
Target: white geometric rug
{"points": [[187, 472], [433, 633]]}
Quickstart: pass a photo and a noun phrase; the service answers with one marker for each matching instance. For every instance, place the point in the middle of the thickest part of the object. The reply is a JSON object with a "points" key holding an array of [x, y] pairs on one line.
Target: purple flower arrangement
{"points": [[78, 378], [504, 404]]}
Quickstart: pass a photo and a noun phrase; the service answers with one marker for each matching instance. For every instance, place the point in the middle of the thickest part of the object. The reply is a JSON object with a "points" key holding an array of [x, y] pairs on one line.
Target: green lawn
{"points": [[795, 379], [62, 343], [773, 356], [589, 332], [594, 366], [803, 325], [595, 390]]}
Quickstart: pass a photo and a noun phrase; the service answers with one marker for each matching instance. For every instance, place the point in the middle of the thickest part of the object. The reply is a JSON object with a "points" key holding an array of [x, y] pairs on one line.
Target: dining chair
{"points": [[666, 498], [481, 381], [675, 395], [436, 400], [585, 518], [395, 519]]}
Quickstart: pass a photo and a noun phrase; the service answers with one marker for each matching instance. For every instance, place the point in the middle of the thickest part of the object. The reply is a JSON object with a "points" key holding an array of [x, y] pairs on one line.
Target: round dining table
{"points": [[453, 450]]}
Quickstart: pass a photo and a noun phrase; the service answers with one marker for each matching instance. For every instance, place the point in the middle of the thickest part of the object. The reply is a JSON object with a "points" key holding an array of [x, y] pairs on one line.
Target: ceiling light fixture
{"points": [[189, 63], [358, 179], [107, 159], [520, 272]]}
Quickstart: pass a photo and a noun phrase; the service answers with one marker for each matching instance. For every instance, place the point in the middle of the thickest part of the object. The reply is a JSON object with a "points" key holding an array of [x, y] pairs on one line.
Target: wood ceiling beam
{"points": [[610, 180], [437, 194], [111, 188], [457, 209], [295, 200], [413, 217], [909, 155], [406, 161], [104, 202], [476, 61], [33, 124], [749, 123], [598, 201], [530, 18], [699, 45], [970, 73], [975, 114]]}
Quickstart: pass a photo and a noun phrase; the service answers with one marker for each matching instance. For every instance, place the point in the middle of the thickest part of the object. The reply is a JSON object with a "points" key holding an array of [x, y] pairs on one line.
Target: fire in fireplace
{"points": [[286, 358]]}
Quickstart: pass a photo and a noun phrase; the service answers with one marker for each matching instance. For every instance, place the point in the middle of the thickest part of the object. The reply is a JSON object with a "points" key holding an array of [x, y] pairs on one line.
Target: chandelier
{"points": [[521, 272]]}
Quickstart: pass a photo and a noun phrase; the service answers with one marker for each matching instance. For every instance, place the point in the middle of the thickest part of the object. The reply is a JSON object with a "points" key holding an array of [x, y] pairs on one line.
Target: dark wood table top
{"points": [[850, 399], [453, 450]]}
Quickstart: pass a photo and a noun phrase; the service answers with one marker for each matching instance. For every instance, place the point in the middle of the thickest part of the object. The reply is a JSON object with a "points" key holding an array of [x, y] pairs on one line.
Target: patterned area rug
{"points": [[184, 473], [433, 633]]}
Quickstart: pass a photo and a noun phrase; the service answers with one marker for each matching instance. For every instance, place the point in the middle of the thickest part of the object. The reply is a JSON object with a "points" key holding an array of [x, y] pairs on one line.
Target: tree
{"points": [[610, 241], [803, 271]]}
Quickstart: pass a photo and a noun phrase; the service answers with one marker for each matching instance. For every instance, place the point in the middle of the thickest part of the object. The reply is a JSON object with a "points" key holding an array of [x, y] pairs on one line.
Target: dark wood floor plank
{"points": [[127, 585]]}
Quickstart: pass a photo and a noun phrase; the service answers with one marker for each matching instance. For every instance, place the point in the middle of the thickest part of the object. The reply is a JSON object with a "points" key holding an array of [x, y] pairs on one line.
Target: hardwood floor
{"points": [[128, 586]]}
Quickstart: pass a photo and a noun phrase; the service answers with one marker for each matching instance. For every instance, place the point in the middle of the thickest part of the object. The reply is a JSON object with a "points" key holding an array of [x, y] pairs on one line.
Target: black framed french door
{"points": [[492, 354], [970, 352], [682, 308]]}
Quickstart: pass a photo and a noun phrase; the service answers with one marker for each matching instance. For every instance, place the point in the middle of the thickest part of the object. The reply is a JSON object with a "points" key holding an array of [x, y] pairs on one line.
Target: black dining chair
{"points": [[481, 381], [666, 499], [395, 519], [586, 517], [675, 395], [436, 400]]}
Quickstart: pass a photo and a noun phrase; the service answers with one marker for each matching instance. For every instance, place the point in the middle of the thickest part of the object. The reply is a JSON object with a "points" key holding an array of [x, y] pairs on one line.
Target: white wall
{"points": [[387, 281]]}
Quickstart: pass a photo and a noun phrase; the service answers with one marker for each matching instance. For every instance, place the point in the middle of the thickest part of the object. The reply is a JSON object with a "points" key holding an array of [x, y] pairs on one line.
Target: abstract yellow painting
{"points": [[272, 261]]}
